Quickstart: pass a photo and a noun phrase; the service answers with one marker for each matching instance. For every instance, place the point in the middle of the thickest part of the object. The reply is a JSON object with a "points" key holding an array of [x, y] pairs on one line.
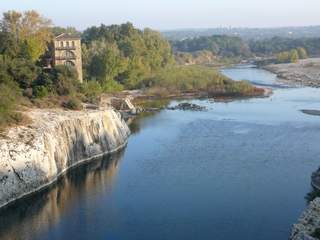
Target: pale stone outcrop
{"points": [[308, 223], [34, 156]]}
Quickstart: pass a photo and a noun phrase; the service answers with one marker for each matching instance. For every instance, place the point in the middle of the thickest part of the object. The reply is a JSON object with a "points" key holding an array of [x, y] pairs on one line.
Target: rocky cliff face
{"points": [[32, 157], [308, 224]]}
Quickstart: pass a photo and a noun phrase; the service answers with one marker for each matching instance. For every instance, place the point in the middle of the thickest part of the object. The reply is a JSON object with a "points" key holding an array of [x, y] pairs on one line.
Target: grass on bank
{"points": [[188, 79]]}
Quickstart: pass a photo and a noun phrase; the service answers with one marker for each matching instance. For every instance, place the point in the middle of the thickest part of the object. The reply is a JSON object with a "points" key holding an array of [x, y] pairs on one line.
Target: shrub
{"points": [[92, 90], [73, 104], [112, 86], [65, 80], [40, 91], [9, 95], [196, 79]]}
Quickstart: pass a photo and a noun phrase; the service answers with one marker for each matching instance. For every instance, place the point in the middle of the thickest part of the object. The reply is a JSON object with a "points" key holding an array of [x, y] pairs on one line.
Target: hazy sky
{"points": [[173, 14]]}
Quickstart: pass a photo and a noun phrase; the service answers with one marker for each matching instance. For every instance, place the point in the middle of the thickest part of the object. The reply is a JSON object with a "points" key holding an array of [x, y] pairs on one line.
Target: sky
{"points": [[173, 14]]}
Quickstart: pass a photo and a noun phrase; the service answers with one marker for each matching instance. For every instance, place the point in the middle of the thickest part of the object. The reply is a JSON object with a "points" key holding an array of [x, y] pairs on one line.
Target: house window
{"points": [[67, 44], [73, 44], [61, 44], [69, 64], [70, 54]]}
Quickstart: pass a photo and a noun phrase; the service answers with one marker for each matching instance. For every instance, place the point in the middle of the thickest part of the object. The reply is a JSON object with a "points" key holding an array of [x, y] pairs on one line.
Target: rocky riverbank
{"points": [[308, 226], [34, 156], [303, 73]]}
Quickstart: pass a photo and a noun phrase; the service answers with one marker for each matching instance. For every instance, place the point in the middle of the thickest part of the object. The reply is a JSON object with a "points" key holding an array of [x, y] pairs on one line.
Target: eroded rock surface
{"points": [[187, 107], [308, 224], [32, 157]]}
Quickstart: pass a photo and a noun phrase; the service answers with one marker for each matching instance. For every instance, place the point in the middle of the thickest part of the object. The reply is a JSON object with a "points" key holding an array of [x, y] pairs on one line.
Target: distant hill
{"points": [[246, 33]]}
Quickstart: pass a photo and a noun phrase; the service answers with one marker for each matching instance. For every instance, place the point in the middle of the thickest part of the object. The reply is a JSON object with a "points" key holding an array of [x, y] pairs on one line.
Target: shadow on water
{"points": [[135, 125], [42, 210]]}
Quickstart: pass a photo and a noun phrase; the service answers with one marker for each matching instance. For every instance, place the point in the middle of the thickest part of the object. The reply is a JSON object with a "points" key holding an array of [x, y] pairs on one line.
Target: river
{"points": [[240, 170]]}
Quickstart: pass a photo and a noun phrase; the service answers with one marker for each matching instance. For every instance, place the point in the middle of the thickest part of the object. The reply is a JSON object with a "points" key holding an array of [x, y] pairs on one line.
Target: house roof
{"points": [[67, 36]]}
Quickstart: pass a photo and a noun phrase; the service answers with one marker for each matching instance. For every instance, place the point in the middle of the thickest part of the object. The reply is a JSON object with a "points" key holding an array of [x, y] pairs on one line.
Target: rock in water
{"points": [[188, 106]]}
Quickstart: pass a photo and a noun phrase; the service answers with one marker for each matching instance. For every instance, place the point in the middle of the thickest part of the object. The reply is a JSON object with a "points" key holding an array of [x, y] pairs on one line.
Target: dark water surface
{"points": [[241, 170]]}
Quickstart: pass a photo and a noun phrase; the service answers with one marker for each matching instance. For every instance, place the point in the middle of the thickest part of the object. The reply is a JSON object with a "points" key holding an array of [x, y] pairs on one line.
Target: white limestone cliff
{"points": [[32, 157]]}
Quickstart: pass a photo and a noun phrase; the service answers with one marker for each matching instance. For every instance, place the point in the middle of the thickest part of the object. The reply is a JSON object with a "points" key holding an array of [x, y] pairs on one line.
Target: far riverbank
{"points": [[303, 73]]}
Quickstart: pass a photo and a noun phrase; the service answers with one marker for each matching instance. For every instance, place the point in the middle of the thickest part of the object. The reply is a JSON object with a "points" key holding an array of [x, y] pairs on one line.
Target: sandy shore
{"points": [[303, 73]]}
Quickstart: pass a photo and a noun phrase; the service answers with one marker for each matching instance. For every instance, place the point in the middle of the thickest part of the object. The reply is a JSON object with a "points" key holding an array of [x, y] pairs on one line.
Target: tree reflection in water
{"points": [[41, 211]]}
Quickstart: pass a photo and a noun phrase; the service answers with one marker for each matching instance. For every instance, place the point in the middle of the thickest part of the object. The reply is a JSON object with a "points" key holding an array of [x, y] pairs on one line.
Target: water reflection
{"points": [[43, 210]]}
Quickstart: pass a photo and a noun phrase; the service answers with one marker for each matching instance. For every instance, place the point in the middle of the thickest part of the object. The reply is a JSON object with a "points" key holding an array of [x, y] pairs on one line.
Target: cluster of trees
{"points": [[279, 44], [121, 56], [292, 56], [200, 57], [221, 45], [25, 38]]}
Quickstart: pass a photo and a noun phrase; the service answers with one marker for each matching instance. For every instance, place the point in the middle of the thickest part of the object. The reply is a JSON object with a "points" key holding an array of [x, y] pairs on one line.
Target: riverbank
{"points": [[34, 156], [308, 226], [303, 73]]}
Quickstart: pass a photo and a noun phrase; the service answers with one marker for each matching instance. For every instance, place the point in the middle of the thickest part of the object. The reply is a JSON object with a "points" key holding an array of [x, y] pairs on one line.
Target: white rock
{"points": [[33, 157]]}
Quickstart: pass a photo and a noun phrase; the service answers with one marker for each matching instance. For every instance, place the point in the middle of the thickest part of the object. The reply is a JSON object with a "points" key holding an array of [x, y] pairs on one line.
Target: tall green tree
{"points": [[30, 28], [294, 56], [302, 53]]}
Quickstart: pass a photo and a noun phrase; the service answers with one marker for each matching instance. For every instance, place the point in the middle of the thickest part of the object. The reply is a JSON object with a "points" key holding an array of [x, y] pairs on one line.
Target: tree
{"points": [[302, 53], [11, 22], [65, 80], [23, 71], [9, 92], [124, 54], [29, 27], [294, 56], [283, 57]]}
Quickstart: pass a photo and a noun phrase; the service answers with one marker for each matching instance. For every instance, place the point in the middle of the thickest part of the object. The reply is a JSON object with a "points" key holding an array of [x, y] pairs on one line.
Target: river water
{"points": [[240, 170]]}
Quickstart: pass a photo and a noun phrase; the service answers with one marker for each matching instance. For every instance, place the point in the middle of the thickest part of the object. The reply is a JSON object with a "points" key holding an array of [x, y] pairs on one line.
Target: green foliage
{"points": [[294, 56], [9, 97], [73, 104], [302, 53], [123, 54], [276, 45], [195, 78], [23, 71], [40, 91], [29, 28], [65, 80], [92, 89], [225, 46], [283, 57], [291, 56], [112, 86], [59, 30]]}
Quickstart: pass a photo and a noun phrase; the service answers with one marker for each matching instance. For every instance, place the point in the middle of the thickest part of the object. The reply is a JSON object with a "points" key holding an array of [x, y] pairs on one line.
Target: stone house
{"points": [[67, 51]]}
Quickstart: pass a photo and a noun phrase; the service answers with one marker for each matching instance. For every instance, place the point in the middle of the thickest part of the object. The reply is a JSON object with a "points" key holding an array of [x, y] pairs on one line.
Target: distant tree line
{"points": [[220, 45], [276, 45], [232, 47]]}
